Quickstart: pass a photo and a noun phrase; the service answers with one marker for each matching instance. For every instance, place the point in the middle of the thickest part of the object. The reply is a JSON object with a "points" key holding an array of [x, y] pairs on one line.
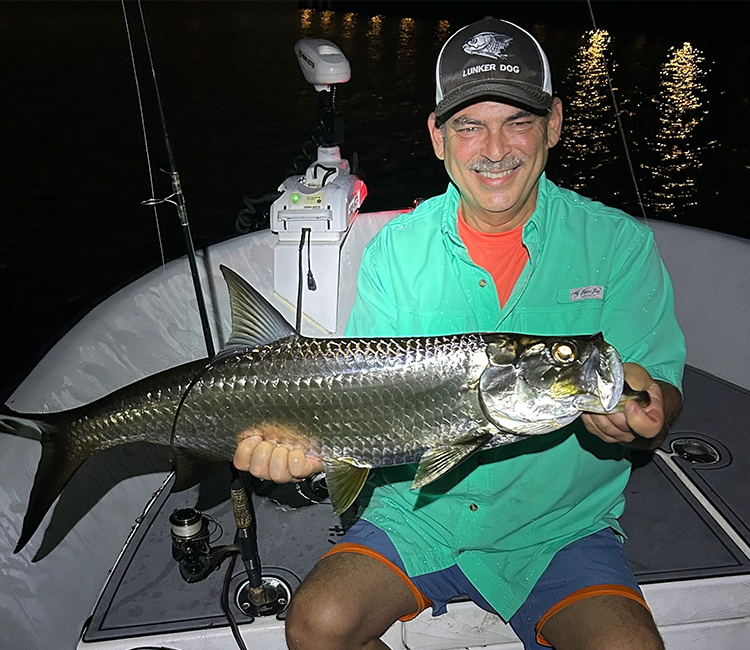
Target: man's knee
{"points": [[348, 601], [319, 622], [603, 623]]}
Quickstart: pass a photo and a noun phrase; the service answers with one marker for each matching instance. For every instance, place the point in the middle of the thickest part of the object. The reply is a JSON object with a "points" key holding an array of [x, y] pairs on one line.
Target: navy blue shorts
{"points": [[593, 566]]}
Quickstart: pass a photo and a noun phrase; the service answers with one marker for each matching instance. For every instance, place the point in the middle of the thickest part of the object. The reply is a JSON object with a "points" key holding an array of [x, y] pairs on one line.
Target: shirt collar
{"points": [[535, 228]]}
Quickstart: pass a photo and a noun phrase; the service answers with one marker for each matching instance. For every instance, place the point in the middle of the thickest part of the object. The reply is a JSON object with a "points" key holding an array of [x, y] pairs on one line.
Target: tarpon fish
{"points": [[489, 44], [354, 403]]}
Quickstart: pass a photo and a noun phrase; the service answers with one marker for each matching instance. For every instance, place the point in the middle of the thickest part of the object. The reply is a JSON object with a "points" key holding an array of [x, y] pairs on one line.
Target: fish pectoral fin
{"points": [[344, 481], [440, 460], [190, 469]]}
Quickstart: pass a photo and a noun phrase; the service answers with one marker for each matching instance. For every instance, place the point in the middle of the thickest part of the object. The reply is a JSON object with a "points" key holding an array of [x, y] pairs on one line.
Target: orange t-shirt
{"points": [[502, 254]]}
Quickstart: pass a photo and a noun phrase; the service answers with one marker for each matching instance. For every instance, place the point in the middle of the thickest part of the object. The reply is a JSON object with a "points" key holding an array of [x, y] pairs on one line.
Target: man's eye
{"points": [[522, 124]]}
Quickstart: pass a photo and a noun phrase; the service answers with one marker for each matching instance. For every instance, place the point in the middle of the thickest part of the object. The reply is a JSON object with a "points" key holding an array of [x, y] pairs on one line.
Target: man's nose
{"points": [[496, 145]]}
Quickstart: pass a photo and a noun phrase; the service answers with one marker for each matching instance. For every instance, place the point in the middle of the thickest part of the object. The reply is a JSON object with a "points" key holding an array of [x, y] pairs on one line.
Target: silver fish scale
{"points": [[143, 411], [378, 402]]}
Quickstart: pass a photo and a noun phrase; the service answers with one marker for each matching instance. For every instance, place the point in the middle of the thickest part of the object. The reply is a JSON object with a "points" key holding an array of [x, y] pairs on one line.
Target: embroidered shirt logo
{"points": [[584, 293], [489, 44]]}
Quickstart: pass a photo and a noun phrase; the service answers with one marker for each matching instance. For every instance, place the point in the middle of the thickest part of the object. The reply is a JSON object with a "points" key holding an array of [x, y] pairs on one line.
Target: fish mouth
{"points": [[606, 380]]}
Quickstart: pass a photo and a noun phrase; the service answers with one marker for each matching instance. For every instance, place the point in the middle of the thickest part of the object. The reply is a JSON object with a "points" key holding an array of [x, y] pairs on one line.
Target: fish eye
{"points": [[564, 352]]}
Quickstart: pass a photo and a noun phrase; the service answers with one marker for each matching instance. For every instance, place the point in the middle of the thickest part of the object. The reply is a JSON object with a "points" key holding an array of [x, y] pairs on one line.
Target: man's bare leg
{"points": [[603, 623], [347, 602]]}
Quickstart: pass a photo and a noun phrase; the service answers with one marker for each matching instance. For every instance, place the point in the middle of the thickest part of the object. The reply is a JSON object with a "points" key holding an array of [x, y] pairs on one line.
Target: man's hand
{"points": [[272, 462], [635, 426]]}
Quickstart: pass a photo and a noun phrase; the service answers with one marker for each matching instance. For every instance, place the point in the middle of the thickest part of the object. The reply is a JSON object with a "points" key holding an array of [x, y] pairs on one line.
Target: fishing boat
{"points": [[687, 514]]}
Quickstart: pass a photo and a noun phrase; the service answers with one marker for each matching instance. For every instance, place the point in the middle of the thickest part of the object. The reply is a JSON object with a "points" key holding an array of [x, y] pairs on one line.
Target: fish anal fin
{"points": [[255, 321], [191, 469], [440, 460], [344, 481]]}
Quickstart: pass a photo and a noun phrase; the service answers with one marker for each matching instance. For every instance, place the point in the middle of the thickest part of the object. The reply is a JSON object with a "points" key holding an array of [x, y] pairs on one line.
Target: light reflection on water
{"points": [[374, 27], [406, 38], [443, 31], [305, 20], [680, 108], [590, 123], [326, 21], [350, 23], [591, 141]]}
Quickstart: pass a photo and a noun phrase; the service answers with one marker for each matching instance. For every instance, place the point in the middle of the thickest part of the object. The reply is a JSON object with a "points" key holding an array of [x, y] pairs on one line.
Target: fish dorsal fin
{"points": [[344, 481], [254, 320], [439, 460]]}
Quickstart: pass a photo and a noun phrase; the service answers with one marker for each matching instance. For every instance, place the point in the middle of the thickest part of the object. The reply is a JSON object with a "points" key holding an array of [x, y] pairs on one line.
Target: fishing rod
{"points": [[619, 122], [258, 596], [177, 198]]}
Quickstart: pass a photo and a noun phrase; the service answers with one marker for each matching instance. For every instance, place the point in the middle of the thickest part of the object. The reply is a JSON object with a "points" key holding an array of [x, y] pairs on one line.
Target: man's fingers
{"points": [[610, 428], [638, 377], [648, 422], [244, 452], [634, 422], [271, 462], [301, 467], [279, 467], [260, 462]]}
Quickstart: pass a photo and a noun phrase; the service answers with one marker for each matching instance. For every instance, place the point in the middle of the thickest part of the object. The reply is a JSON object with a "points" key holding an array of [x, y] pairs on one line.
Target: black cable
{"points": [[311, 284], [225, 604], [329, 172], [300, 276]]}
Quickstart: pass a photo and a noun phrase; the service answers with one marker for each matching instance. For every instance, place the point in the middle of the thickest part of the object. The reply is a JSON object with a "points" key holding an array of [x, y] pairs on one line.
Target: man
{"points": [[528, 530]]}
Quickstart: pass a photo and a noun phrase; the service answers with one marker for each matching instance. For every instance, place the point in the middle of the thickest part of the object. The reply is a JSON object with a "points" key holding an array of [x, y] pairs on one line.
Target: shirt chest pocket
{"points": [[568, 319]]}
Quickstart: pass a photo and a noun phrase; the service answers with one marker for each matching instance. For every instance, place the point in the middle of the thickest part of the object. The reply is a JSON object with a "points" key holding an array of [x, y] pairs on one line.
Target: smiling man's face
{"points": [[495, 154]]}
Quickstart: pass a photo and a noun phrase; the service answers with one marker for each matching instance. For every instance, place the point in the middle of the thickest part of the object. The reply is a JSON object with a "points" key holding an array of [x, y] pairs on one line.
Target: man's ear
{"points": [[554, 125], [436, 135]]}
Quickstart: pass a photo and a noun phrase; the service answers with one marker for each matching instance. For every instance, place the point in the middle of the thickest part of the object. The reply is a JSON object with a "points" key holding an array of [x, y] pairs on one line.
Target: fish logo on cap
{"points": [[489, 44]]}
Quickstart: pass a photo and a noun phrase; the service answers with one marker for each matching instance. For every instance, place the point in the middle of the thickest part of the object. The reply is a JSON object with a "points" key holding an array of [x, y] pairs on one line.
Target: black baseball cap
{"points": [[492, 59]]}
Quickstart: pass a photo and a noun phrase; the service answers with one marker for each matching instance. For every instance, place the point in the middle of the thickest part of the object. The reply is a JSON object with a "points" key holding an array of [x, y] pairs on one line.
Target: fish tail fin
{"points": [[23, 424], [56, 465]]}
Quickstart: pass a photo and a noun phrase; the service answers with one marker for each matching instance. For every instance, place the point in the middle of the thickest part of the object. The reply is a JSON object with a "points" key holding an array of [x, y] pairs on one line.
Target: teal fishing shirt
{"points": [[503, 514]]}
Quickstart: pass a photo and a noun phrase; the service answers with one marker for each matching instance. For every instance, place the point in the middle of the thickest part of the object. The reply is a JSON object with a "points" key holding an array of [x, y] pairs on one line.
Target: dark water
{"points": [[238, 110]]}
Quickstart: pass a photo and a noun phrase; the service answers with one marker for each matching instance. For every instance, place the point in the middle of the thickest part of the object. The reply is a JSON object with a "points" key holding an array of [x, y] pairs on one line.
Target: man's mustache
{"points": [[495, 167]]}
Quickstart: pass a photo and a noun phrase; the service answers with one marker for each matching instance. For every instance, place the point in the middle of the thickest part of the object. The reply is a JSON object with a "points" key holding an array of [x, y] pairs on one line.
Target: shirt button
{"points": [[481, 460], [483, 283], [460, 551], [473, 507]]}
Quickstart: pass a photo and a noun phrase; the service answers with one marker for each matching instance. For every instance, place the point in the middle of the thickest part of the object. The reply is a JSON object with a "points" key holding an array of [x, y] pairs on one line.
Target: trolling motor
{"points": [[328, 195], [317, 208]]}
